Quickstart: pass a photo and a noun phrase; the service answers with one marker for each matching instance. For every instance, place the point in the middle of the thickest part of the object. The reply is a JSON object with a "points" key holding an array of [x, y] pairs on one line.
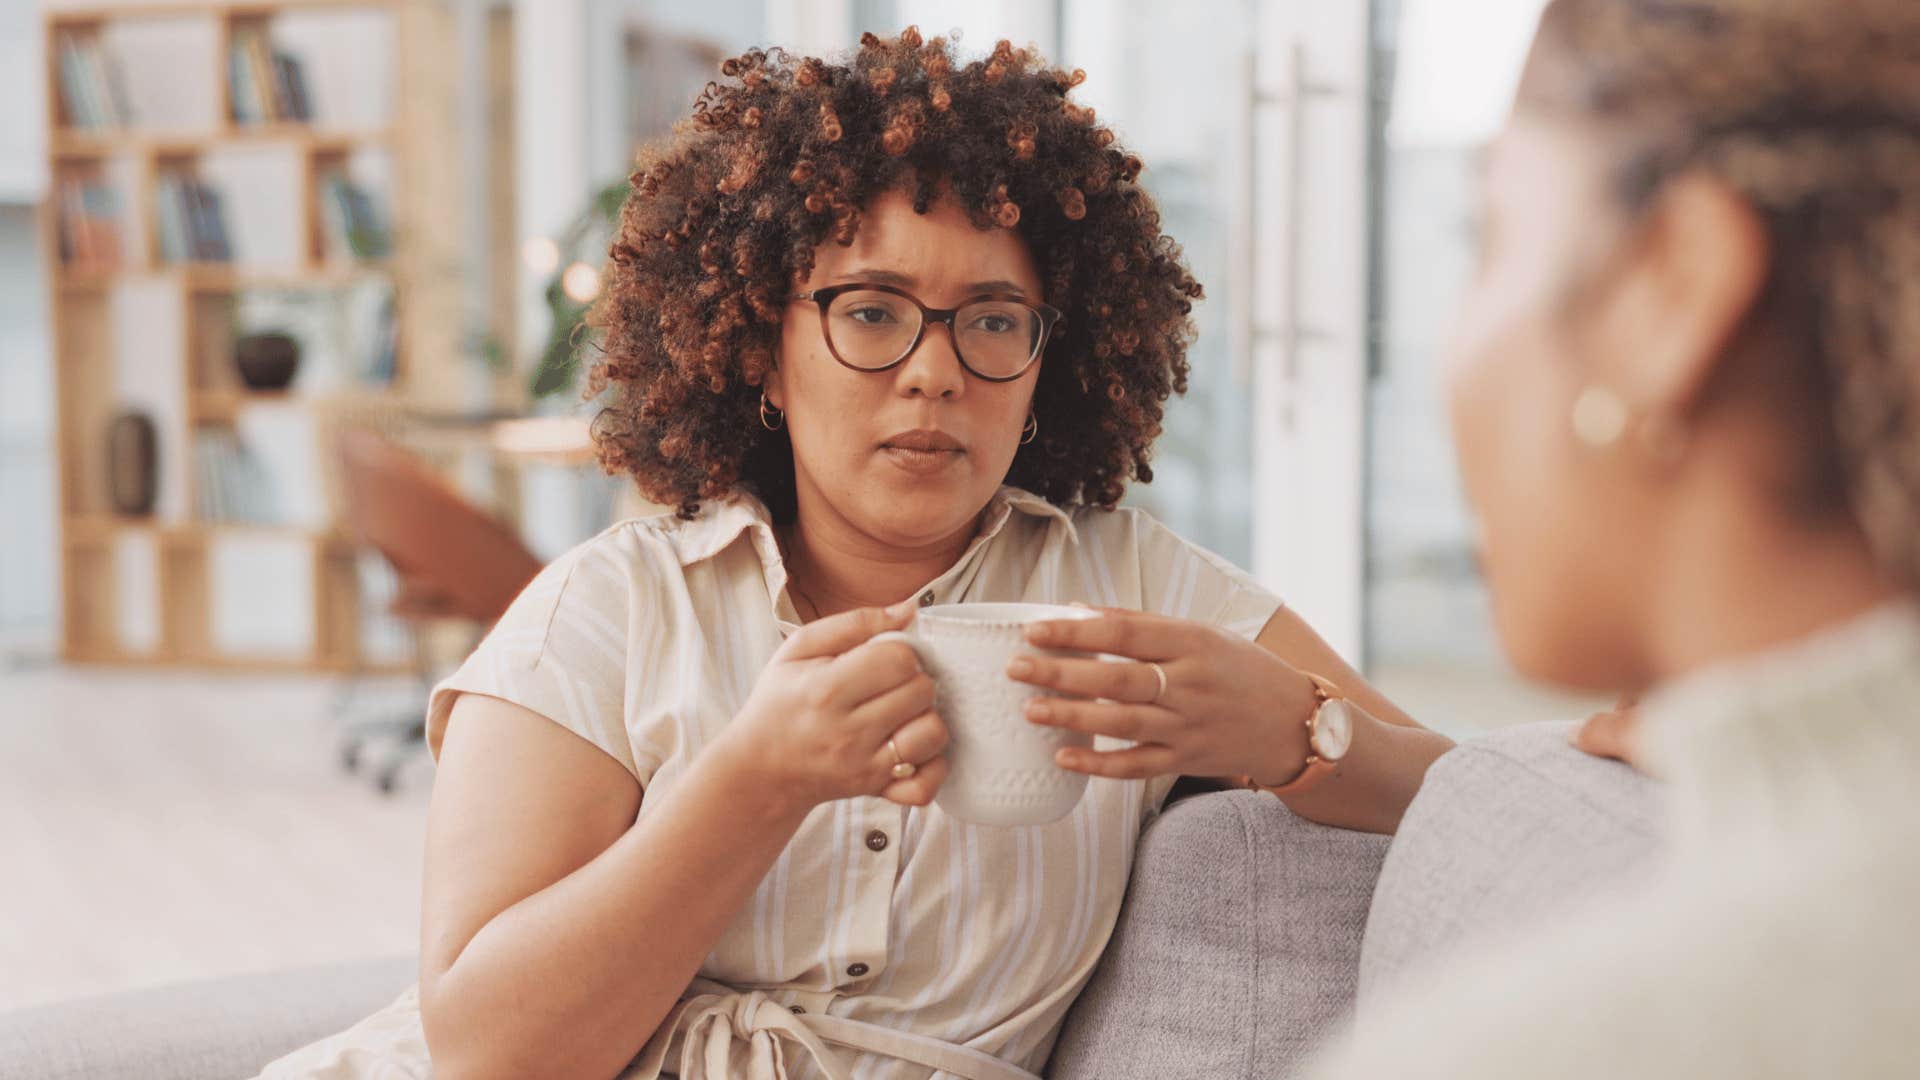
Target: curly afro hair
{"points": [[778, 158]]}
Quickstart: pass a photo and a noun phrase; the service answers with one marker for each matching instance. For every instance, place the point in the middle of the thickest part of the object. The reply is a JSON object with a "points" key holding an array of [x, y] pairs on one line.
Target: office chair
{"points": [[451, 560]]}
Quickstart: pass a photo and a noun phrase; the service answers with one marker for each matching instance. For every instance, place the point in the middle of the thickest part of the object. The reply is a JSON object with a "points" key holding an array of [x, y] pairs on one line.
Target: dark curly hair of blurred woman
{"points": [[779, 157]]}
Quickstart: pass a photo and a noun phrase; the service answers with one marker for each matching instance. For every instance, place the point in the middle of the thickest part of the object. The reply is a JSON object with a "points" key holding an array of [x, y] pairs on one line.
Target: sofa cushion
{"points": [[1507, 830], [1237, 950], [220, 1028]]}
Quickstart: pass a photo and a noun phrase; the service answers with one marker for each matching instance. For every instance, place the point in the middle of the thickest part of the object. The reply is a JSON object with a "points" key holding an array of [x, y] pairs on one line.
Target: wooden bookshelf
{"points": [[69, 146], [182, 548]]}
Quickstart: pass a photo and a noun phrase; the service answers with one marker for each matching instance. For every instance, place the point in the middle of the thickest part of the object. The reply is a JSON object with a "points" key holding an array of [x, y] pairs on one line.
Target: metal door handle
{"points": [[1292, 331], [1243, 231], [1243, 316]]}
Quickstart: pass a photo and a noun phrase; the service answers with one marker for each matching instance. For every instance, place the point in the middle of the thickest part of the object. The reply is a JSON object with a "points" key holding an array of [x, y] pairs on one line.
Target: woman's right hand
{"points": [[1614, 734], [817, 723]]}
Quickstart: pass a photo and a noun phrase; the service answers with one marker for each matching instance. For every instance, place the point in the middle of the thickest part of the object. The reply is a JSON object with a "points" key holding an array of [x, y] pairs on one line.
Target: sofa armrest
{"points": [[1507, 830], [220, 1028], [1237, 950]]}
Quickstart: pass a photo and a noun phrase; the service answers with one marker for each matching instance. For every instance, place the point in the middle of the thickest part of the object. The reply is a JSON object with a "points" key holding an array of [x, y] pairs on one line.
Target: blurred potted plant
{"points": [[575, 281]]}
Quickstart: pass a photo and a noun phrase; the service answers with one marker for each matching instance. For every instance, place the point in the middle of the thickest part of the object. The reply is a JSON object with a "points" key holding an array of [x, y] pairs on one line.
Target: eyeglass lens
{"points": [[996, 338]]}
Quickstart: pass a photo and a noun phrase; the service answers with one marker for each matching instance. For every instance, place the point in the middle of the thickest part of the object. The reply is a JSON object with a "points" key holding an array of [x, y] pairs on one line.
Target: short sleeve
{"points": [[563, 650], [1187, 581]]}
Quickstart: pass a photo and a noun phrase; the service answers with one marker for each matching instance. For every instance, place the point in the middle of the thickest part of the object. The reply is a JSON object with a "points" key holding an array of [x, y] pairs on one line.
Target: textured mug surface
{"points": [[1001, 769]]}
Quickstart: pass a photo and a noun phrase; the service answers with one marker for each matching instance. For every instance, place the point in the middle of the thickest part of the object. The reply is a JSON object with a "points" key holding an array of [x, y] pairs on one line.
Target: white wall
{"points": [[28, 563], [28, 552], [22, 134], [983, 22]]}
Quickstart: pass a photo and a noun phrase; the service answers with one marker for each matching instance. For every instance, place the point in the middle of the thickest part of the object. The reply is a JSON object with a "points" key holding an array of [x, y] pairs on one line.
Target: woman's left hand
{"points": [[1228, 708]]}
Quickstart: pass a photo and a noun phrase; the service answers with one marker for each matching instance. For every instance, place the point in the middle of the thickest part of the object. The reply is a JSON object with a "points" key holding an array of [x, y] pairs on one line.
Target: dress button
{"points": [[858, 970], [926, 598], [797, 1010], [877, 840]]}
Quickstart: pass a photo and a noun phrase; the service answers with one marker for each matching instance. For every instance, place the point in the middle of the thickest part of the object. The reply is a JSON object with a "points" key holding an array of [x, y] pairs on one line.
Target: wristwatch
{"points": [[1329, 735]]}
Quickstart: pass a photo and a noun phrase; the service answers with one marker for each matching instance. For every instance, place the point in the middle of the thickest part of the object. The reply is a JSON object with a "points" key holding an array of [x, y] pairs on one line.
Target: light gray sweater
{"points": [[1780, 937]]}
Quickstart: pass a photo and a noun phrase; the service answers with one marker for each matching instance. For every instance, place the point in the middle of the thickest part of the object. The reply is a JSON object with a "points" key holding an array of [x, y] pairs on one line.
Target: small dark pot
{"points": [[267, 361], [133, 465]]}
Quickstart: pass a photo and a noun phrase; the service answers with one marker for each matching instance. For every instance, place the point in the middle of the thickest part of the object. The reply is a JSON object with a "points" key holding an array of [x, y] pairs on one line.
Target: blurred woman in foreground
{"points": [[1686, 393]]}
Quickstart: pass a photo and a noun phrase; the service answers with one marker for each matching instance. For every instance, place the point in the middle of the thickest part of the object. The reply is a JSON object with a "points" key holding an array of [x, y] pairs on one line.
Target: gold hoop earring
{"points": [[771, 417], [1032, 430], [1599, 417]]}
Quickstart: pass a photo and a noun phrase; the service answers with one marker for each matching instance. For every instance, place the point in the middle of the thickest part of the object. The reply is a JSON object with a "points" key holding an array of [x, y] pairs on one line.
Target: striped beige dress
{"points": [[647, 639]]}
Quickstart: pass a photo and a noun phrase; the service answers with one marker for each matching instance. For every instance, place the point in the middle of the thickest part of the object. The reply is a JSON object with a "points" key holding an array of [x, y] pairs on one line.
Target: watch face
{"points": [[1333, 730]]}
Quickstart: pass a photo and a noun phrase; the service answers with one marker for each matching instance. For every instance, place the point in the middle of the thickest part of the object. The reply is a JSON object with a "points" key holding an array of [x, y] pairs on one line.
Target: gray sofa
{"points": [[1248, 936]]}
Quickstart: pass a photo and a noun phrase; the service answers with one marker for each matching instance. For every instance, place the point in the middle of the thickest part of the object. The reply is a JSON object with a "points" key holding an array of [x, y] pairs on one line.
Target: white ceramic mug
{"points": [[1001, 769]]}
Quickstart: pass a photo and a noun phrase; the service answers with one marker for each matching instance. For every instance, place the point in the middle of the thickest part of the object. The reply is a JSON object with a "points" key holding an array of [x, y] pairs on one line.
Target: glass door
{"points": [[1445, 87], [1250, 115], [1308, 216], [1169, 79]]}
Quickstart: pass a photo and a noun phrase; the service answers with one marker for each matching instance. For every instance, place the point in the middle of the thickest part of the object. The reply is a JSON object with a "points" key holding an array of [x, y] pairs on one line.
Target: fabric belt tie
{"points": [[718, 1033]]}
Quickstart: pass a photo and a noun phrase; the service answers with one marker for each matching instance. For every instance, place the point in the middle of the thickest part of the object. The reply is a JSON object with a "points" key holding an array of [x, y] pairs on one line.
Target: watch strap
{"points": [[1314, 771], [1316, 768]]}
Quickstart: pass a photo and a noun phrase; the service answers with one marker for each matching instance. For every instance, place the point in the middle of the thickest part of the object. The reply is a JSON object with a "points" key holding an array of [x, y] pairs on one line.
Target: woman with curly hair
{"points": [[1686, 393], [885, 333]]}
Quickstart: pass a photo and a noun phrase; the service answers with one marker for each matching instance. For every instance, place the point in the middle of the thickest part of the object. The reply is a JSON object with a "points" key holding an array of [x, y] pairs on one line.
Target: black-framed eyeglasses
{"points": [[874, 328]]}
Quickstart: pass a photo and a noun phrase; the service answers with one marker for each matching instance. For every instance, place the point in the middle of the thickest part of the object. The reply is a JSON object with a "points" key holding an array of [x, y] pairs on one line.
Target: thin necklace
{"points": [[793, 585], [800, 593]]}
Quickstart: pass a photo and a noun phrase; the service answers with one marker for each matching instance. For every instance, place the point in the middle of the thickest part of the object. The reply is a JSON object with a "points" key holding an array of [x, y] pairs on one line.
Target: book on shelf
{"points": [[191, 220], [243, 97], [209, 225], [264, 84], [290, 89], [89, 225], [234, 488], [367, 344], [93, 89], [171, 229], [75, 95], [354, 227], [383, 345]]}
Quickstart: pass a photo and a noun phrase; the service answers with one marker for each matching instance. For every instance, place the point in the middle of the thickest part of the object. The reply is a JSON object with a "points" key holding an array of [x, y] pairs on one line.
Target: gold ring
{"points": [[902, 768], [1161, 674]]}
